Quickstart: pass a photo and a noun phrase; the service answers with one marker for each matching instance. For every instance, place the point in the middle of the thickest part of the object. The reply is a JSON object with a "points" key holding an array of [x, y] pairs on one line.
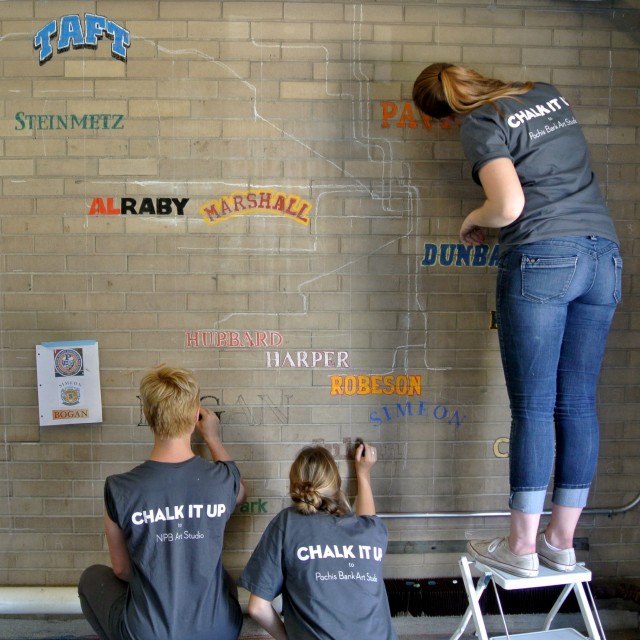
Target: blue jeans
{"points": [[555, 302]]}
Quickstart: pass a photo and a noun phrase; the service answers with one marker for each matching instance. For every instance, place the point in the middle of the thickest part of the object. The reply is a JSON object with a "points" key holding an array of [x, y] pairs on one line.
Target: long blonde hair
{"points": [[443, 89], [315, 483]]}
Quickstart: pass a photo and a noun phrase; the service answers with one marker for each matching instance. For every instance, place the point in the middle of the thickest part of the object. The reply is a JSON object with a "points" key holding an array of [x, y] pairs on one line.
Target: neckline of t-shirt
{"points": [[171, 464]]}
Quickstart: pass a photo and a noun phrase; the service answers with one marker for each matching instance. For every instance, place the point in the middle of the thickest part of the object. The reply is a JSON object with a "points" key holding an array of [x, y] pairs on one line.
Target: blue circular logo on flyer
{"points": [[68, 362]]}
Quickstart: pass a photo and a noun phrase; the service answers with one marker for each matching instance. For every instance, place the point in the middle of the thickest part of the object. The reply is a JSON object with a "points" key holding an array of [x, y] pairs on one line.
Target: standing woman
{"points": [[558, 286], [325, 560]]}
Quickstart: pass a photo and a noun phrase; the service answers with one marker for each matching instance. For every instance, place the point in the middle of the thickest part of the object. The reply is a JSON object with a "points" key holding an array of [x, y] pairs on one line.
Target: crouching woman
{"points": [[324, 559]]}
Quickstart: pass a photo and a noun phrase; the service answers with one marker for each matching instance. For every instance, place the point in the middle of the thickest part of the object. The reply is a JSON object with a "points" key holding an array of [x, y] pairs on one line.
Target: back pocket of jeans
{"points": [[546, 278], [617, 263]]}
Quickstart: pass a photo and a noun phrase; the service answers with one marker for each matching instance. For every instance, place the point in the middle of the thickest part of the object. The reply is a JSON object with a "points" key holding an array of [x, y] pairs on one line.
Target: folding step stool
{"points": [[546, 578]]}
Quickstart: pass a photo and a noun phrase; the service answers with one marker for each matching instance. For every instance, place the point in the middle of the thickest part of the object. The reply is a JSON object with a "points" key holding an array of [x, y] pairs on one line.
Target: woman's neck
{"points": [[172, 449]]}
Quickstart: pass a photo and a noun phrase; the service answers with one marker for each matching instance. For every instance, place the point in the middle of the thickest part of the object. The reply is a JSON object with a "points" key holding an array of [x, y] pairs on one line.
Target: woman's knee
{"points": [[95, 574]]}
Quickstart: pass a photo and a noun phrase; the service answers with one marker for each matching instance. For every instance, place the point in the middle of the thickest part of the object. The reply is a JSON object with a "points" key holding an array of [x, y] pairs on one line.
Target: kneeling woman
{"points": [[325, 560]]}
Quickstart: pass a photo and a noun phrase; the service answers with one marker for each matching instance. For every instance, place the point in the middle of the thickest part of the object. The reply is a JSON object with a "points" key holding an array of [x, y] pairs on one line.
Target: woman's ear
{"points": [[455, 119]]}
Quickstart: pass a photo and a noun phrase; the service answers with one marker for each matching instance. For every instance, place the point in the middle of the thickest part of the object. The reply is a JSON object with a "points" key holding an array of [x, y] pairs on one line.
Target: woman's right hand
{"points": [[366, 456], [208, 425]]}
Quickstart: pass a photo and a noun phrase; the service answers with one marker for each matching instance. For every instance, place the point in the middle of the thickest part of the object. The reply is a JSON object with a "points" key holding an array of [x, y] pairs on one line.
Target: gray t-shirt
{"points": [[540, 134], [329, 572], [173, 517]]}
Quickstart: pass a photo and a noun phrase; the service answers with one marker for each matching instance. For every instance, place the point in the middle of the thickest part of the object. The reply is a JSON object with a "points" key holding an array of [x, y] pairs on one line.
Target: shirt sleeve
{"points": [[264, 573], [234, 472], [380, 528], [483, 139], [109, 502]]}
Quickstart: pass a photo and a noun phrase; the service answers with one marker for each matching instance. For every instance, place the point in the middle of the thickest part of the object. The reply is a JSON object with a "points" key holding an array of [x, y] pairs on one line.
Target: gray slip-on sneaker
{"points": [[496, 553], [556, 559]]}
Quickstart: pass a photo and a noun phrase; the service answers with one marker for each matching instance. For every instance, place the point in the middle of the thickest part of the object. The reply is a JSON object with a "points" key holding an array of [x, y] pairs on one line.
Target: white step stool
{"points": [[546, 578]]}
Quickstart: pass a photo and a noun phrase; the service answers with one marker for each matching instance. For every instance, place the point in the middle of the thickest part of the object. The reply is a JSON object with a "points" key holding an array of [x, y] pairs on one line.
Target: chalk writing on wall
{"points": [[248, 202], [131, 206], [460, 255], [241, 412], [71, 34], [417, 409], [365, 385]]}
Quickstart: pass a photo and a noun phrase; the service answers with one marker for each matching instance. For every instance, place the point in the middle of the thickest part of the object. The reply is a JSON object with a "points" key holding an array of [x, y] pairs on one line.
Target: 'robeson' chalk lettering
{"points": [[402, 385]]}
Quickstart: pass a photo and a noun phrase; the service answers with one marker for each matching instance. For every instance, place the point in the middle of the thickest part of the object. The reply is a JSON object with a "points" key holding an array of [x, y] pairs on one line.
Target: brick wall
{"points": [[355, 271]]}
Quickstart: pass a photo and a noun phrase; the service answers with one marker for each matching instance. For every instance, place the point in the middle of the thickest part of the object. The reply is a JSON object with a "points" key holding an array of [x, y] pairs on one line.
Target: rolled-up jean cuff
{"points": [[575, 497], [527, 501]]}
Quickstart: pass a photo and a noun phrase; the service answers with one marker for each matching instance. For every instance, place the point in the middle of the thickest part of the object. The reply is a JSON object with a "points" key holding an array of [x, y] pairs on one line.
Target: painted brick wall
{"points": [[355, 272]]}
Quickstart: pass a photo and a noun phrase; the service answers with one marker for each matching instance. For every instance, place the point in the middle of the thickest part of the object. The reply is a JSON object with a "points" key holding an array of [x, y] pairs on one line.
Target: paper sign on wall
{"points": [[68, 382]]}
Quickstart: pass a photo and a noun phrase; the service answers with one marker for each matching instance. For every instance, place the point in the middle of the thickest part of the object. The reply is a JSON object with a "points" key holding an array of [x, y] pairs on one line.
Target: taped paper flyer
{"points": [[68, 382]]}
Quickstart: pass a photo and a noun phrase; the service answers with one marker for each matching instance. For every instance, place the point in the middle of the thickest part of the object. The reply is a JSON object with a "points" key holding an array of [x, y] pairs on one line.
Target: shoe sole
{"points": [[490, 562], [550, 564]]}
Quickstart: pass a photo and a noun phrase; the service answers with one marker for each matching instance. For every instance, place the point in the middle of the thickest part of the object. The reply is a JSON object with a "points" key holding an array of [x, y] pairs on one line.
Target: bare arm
{"points": [[366, 457], [209, 427], [118, 551], [267, 617], [503, 205]]}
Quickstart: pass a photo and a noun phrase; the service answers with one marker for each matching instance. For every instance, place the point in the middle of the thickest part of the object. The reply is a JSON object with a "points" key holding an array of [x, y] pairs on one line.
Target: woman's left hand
{"points": [[503, 205], [471, 233]]}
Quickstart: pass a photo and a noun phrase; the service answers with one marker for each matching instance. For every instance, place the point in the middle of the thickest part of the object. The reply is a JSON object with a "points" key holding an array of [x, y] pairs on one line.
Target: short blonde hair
{"points": [[170, 398], [315, 483]]}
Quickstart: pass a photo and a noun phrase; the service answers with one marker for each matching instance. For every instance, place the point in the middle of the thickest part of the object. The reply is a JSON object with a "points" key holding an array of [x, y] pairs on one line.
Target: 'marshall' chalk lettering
{"points": [[247, 202]]}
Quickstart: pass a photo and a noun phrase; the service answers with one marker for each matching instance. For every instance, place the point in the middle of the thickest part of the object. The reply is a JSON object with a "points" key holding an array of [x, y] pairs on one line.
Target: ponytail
{"points": [[314, 483], [444, 89]]}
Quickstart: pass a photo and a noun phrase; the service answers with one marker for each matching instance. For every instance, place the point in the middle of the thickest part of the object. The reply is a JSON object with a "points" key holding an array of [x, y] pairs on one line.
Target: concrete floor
{"points": [[617, 625]]}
